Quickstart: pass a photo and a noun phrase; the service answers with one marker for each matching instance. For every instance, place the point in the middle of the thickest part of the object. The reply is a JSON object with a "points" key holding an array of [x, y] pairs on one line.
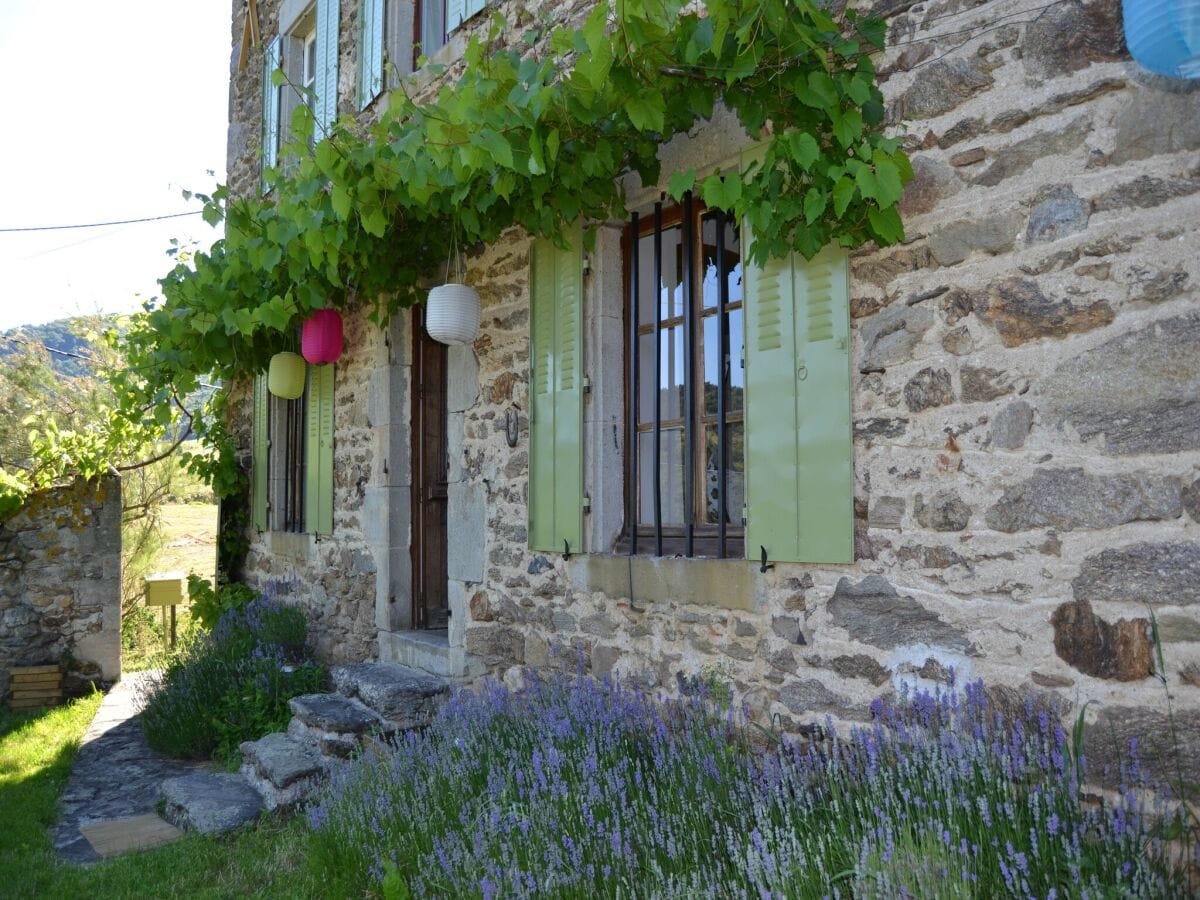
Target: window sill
{"points": [[720, 583], [290, 544]]}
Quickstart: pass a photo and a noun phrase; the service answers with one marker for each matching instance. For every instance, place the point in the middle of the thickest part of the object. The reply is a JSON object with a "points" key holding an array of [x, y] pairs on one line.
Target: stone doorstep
{"points": [[403, 696], [210, 803], [333, 713], [281, 759]]}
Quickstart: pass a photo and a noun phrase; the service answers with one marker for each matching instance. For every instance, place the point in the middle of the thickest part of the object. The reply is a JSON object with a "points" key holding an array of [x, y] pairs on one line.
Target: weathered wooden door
{"points": [[430, 607]]}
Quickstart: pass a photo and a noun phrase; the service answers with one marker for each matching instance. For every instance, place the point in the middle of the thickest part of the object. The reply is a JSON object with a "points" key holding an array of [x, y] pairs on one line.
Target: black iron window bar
{"points": [[293, 465], [691, 436]]}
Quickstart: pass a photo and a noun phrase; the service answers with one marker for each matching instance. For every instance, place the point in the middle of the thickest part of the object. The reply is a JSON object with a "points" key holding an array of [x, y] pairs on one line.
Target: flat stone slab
{"points": [[115, 774], [212, 803], [401, 695], [116, 837], [282, 760], [335, 713]]}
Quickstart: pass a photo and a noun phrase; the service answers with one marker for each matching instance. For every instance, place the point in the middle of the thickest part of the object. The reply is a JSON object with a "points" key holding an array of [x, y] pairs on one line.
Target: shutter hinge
{"points": [[587, 265], [587, 504], [587, 384], [745, 515]]}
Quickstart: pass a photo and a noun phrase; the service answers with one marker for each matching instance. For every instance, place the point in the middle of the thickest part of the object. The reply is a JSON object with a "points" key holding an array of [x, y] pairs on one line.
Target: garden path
{"points": [[116, 775]]}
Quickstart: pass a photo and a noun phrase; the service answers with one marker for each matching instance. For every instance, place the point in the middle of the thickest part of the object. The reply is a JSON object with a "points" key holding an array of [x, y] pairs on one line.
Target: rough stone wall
{"points": [[60, 584], [1026, 414]]}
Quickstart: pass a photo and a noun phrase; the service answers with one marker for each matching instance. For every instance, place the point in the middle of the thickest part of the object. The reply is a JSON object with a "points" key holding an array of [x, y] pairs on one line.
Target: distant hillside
{"points": [[64, 344]]}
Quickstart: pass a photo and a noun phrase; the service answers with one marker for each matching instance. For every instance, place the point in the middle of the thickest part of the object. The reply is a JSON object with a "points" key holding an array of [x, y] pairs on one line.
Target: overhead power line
{"points": [[194, 212]]}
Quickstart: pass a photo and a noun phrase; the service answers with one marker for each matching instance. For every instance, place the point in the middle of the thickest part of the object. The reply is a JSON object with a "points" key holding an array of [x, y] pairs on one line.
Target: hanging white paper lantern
{"points": [[1164, 35], [452, 314]]}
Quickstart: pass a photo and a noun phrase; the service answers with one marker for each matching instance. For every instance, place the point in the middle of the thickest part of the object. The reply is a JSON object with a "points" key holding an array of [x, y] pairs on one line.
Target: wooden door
{"points": [[430, 606]]}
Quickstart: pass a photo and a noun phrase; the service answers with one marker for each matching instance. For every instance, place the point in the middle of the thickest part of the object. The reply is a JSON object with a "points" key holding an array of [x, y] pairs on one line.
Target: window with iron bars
{"points": [[686, 382], [288, 430]]}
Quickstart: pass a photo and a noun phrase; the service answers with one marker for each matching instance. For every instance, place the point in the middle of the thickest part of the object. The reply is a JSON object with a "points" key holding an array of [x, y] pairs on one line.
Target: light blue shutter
{"points": [[259, 454], [799, 451], [556, 395], [272, 60], [327, 65], [318, 450], [456, 14], [472, 6], [370, 51]]}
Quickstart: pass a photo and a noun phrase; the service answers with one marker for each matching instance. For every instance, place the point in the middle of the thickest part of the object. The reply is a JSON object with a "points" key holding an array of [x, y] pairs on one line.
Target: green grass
{"points": [[36, 750]]}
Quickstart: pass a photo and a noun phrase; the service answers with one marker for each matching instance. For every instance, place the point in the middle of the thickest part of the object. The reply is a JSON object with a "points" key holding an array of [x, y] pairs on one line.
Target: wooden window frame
{"points": [[701, 538]]}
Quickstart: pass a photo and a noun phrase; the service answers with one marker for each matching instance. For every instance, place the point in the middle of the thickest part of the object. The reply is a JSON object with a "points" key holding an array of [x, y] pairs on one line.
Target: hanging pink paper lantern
{"points": [[321, 338]]}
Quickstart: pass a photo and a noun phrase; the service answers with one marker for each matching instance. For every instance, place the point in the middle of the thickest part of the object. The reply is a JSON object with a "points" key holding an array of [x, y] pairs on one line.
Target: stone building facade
{"points": [[1026, 413], [60, 584]]}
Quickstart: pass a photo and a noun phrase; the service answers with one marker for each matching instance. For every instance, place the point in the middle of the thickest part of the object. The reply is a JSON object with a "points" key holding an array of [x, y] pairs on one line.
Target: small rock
{"points": [[981, 384], [210, 803], [538, 565], [1010, 426], [1067, 499], [968, 157], [1057, 212], [928, 388], [810, 695], [603, 659], [1051, 681], [1164, 743], [1070, 36], [932, 182], [1140, 391], [858, 665], [943, 85], [788, 628], [874, 613], [1020, 312], [1144, 192], [1191, 500], [1158, 574], [945, 512], [986, 233], [962, 130], [891, 336], [1120, 651], [958, 341], [887, 513], [742, 628], [1019, 156], [1140, 131]]}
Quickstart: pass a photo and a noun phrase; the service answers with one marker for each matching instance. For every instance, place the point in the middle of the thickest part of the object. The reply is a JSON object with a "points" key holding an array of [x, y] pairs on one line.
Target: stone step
{"points": [[403, 696], [337, 724], [210, 803], [283, 768]]}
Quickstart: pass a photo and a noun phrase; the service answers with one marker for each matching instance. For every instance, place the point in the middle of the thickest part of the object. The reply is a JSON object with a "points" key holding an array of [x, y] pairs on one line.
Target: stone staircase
{"points": [[370, 702]]}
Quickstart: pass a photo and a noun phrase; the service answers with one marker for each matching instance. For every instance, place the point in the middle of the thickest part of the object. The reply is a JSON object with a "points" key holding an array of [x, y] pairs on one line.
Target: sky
{"points": [[109, 110]]}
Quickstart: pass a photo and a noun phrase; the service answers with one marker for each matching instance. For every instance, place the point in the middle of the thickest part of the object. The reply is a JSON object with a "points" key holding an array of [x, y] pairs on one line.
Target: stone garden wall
{"points": [[1026, 415], [60, 584]]}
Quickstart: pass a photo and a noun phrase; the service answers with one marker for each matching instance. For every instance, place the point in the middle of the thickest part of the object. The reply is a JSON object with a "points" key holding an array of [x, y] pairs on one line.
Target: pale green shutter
{"points": [[556, 395], [799, 464], [327, 65], [259, 446], [318, 451], [370, 51], [272, 59]]}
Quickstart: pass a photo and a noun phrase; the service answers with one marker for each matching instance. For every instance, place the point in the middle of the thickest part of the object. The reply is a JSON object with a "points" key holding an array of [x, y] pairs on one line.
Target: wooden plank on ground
{"points": [[117, 836], [33, 670]]}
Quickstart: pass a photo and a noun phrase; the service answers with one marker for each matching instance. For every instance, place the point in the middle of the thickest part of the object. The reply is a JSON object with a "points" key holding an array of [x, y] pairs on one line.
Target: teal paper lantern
{"points": [[1164, 35]]}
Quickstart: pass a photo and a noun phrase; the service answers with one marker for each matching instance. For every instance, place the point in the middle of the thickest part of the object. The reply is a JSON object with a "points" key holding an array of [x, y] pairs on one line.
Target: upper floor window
{"points": [[687, 381]]}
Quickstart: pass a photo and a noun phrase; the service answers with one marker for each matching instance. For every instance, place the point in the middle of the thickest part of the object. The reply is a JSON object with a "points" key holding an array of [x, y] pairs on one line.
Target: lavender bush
{"points": [[232, 684], [578, 788]]}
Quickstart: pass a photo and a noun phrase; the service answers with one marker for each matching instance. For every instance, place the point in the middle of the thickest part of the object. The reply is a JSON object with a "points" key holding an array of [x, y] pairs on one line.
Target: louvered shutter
{"points": [[327, 65], [470, 7], [556, 396], [370, 51], [456, 14], [270, 105], [259, 450], [799, 463], [318, 450]]}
